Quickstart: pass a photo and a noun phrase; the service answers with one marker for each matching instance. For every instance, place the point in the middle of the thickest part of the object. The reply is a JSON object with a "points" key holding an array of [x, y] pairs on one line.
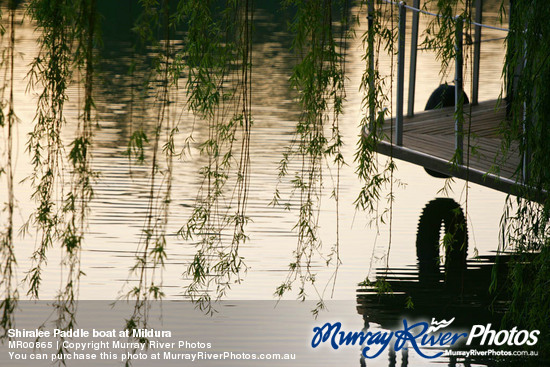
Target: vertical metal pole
{"points": [[459, 100], [370, 45], [513, 74], [412, 67], [400, 74], [477, 51], [511, 90], [526, 159]]}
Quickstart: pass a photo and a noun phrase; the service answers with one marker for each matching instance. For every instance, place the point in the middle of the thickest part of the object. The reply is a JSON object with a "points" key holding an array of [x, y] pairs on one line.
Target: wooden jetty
{"points": [[429, 140], [432, 138]]}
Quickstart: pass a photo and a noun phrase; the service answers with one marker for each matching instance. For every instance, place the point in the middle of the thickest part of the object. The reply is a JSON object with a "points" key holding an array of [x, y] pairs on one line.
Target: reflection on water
{"points": [[413, 297], [454, 288]]}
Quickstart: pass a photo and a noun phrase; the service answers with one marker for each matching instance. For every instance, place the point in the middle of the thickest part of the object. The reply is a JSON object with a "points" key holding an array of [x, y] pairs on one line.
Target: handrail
{"points": [[459, 24], [397, 3], [458, 80]]}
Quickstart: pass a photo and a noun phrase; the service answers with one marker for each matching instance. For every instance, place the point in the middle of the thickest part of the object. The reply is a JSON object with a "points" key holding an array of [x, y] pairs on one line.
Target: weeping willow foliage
{"points": [[218, 57], [76, 201], [51, 71], [66, 49], [441, 32], [375, 176], [318, 78], [380, 38], [151, 250], [526, 220]]}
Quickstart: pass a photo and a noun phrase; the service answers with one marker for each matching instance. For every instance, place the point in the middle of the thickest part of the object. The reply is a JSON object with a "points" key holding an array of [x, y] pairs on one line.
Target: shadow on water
{"points": [[438, 286]]}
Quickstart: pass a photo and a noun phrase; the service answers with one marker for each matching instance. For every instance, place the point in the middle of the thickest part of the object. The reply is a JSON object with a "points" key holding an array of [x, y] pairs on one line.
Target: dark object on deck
{"points": [[443, 96], [436, 212]]}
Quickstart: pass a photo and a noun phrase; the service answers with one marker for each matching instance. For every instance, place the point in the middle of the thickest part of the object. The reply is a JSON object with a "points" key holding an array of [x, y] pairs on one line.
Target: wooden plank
{"points": [[428, 140]]}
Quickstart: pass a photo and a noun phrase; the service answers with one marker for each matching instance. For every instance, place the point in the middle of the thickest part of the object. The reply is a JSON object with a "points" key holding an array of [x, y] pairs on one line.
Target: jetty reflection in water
{"points": [[438, 286]]}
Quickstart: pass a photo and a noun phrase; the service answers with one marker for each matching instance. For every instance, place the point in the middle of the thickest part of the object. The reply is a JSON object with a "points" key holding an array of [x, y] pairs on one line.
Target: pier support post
{"points": [[459, 95], [477, 51], [400, 75], [412, 66], [370, 45], [526, 159]]}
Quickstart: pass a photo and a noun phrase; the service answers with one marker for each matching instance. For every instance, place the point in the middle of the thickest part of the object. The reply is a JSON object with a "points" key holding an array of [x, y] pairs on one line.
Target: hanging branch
{"points": [[318, 78], [440, 34], [151, 251], [335, 144], [51, 71], [76, 202], [381, 35], [525, 222], [219, 65], [67, 40], [8, 281]]}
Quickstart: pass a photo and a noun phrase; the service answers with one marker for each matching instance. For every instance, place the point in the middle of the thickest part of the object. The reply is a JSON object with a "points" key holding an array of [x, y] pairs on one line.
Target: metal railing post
{"points": [[459, 100], [412, 67], [370, 45], [477, 51], [526, 159], [400, 74]]}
